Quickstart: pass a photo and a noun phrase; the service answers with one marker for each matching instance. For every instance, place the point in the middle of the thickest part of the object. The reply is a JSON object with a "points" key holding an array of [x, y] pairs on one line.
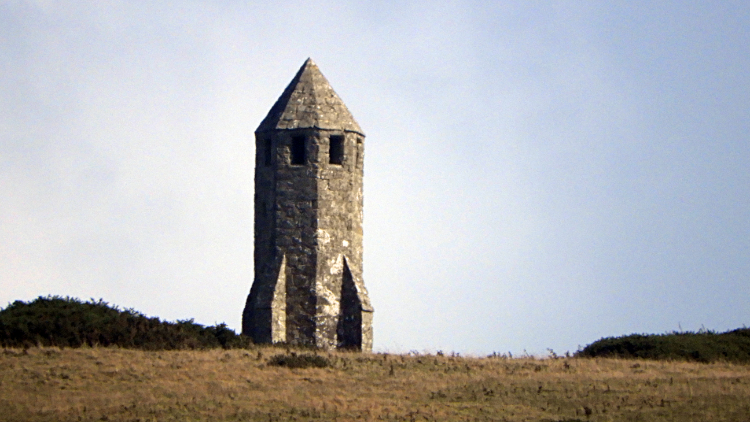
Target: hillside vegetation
{"points": [[731, 346], [69, 322], [55, 321]]}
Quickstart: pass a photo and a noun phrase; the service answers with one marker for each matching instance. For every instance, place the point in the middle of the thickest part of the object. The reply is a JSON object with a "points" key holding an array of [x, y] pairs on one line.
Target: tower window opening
{"points": [[298, 150], [268, 152], [336, 150]]}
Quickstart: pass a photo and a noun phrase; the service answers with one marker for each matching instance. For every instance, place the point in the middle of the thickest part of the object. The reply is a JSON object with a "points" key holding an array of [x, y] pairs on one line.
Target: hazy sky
{"points": [[538, 174]]}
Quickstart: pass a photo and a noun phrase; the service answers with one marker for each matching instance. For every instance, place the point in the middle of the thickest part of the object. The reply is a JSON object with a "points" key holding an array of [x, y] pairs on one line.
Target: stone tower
{"points": [[309, 156]]}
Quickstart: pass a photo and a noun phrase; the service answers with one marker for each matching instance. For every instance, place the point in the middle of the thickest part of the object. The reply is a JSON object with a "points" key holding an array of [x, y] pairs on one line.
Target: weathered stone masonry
{"points": [[308, 287]]}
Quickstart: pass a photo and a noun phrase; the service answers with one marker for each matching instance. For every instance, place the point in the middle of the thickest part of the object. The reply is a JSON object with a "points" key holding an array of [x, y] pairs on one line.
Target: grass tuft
{"points": [[305, 360]]}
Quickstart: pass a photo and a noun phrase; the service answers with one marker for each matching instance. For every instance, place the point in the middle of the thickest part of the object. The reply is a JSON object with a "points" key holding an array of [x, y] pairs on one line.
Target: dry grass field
{"points": [[110, 384]]}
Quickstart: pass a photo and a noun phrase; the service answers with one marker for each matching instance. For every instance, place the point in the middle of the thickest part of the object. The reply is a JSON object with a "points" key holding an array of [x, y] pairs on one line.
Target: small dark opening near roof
{"points": [[298, 150], [268, 152], [336, 150]]}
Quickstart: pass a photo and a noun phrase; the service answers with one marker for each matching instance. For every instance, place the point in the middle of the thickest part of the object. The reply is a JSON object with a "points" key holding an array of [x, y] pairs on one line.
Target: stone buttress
{"points": [[308, 287]]}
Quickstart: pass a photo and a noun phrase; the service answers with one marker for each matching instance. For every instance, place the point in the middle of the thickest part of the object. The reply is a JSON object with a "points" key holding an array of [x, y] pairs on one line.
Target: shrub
{"points": [[306, 360], [69, 322], [704, 346]]}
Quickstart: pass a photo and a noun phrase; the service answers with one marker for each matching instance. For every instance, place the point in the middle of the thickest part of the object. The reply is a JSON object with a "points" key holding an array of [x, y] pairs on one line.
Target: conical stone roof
{"points": [[309, 102]]}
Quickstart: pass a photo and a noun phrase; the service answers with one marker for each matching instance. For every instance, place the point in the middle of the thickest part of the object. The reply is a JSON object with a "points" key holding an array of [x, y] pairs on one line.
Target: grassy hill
{"points": [[273, 384], [69, 360]]}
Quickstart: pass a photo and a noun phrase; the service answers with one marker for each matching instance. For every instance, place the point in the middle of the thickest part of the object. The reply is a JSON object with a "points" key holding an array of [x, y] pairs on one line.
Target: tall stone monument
{"points": [[309, 158]]}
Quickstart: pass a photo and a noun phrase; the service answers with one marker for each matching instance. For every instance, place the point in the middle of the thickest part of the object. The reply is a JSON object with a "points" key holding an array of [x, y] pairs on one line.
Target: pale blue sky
{"points": [[538, 174]]}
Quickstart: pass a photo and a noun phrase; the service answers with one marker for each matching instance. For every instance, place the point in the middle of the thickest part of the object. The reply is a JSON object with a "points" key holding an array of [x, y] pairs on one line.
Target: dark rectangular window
{"points": [[336, 150], [268, 152], [298, 150]]}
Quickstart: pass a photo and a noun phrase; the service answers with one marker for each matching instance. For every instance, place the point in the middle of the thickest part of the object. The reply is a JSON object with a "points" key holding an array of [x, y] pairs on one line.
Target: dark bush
{"points": [[69, 322], [294, 360], [704, 346]]}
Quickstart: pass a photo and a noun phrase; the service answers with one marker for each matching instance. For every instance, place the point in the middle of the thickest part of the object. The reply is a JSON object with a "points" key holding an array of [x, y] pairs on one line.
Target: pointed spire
{"points": [[309, 102]]}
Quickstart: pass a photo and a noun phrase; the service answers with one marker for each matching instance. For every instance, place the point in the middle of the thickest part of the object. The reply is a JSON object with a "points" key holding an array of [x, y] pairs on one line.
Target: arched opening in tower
{"points": [[349, 330]]}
